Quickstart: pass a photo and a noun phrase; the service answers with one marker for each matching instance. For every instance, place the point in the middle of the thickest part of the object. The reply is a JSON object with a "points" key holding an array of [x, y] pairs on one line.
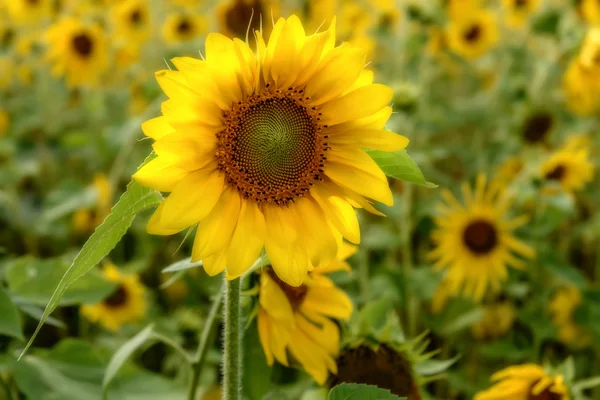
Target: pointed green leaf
{"points": [[354, 391], [10, 323], [137, 198], [400, 165]]}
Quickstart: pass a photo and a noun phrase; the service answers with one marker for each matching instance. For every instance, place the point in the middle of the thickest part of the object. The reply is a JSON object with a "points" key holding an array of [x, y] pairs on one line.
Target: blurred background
{"points": [[506, 89]]}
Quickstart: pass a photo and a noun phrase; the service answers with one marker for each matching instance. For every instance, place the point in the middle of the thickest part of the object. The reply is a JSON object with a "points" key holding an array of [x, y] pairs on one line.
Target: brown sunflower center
{"points": [[537, 127], [184, 27], [384, 368], [117, 298], [543, 395], [295, 295], [480, 237], [271, 149], [557, 173], [520, 3], [83, 44], [239, 16], [33, 2], [136, 17], [473, 33]]}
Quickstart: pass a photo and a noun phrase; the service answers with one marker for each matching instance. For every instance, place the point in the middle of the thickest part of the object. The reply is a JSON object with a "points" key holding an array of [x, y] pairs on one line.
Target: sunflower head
{"points": [[582, 88], [473, 34], [570, 167], [562, 305], [265, 150], [528, 382], [517, 11], [537, 127], [183, 27], [29, 11], [124, 305], [77, 51], [474, 242], [132, 20]]}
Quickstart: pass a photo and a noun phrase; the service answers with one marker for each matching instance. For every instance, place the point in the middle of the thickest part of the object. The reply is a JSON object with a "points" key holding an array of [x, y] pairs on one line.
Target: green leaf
{"points": [[181, 265], [586, 384], [432, 367], [123, 354], [354, 391], [254, 360], [137, 198], [36, 313], [10, 323], [400, 165]]}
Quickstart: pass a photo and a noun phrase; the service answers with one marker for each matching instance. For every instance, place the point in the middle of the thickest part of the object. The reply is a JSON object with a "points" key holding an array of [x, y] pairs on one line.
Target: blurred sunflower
{"points": [[509, 169], [28, 11], [570, 167], [132, 21], [525, 382], [498, 319], [591, 11], [78, 52], [457, 8], [474, 241], [581, 81], [561, 307], [473, 33], [238, 17], [182, 27], [518, 11], [298, 318], [537, 127], [265, 150], [85, 220], [126, 304], [4, 121]]}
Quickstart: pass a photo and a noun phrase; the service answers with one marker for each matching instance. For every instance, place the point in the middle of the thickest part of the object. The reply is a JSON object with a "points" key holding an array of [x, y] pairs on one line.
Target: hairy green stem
{"points": [[206, 337], [232, 350]]}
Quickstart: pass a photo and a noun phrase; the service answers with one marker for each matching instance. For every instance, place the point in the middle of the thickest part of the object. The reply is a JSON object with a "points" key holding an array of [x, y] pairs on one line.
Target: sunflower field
{"points": [[299, 199]]}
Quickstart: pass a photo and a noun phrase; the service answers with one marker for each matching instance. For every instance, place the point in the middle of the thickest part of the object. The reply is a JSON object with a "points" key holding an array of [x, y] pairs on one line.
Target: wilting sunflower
{"points": [[126, 304], [525, 382], [473, 34], [132, 20], [518, 11], [298, 319], [474, 241], [497, 320], [78, 51], [28, 11], [562, 305], [570, 167], [238, 17], [264, 150], [182, 27], [86, 219]]}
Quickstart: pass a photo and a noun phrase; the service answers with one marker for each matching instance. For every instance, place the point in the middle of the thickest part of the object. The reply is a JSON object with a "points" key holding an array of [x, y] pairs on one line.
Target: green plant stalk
{"points": [[206, 337], [232, 350]]}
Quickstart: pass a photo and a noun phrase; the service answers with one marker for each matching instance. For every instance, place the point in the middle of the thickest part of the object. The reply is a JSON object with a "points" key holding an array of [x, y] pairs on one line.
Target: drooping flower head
{"points": [[474, 241], [264, 149], [525, 382]]}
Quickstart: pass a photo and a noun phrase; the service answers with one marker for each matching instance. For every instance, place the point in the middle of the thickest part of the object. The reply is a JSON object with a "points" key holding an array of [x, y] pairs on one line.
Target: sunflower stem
{"points": [[206, 337], [232, 350]]}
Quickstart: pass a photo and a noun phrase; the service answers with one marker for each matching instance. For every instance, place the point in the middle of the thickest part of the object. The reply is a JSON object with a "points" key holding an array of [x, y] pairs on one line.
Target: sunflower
{"points": [[132, 20], [537, 127], [126, 304], [525, 382], [473, 34], [519, 10], [238, 17], [298, 318], [78, 52], [561, 307], [581, 81], [497, 320], [457, 8], [510, 169], [264, 150], [28, 11], [474, 241], [4, 121], [570, 167], [182, 27], [591, 11]]}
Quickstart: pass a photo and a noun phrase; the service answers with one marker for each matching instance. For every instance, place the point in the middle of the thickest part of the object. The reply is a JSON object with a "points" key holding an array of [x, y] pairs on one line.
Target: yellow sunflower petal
{"points": [[247, 241], [360, 103]]}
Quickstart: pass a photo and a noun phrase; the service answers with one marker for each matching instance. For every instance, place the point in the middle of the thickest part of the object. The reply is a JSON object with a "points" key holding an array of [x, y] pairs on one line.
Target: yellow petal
{"points": [[192, 199], [284, 62], [248, 240], [273, 300], [319, 240], [310, 356], [264, 335], [327, 300], [157, 128], [280, 338], [339, 211], [375, 139], [155, 227], [160, 174], [174, 84], [215, 263], [360, 103], [326, 334]]}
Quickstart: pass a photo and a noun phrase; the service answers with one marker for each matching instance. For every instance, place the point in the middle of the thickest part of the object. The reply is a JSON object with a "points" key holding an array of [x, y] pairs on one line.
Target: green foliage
{"points": [[400, 165], [10, 323], [353, 391]]}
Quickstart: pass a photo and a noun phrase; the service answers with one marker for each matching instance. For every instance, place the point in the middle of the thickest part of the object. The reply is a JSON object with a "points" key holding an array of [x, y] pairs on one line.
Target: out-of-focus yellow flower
{"points": [[524, 382], [582, 79], [4, 122], [570, 167], [28, 11], [7, 66], [238, 17], [138, 101], [298, 318], [132, 21], [518, 11], [497, 320], [537, 127], [438, 41], [473, 33], [77, 51], [561, 307], [387, 11], [591, 11], [85, 220], [457, 8], [509, 169], [125, 305], [126, 54], [578, 141], [474, 241], [181, 27]]}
